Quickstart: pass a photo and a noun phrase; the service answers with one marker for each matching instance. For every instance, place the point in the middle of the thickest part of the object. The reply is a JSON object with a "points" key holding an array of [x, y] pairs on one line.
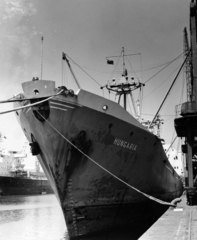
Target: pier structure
{"points": [[176, 224], [186, 124]]}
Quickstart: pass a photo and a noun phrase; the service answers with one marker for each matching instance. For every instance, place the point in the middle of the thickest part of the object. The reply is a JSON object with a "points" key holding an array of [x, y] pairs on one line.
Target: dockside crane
{"points": [[186, 124], [188, 65]]}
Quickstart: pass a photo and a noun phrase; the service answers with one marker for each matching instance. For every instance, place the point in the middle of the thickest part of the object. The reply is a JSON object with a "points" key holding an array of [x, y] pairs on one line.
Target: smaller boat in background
{"points": [[15, 179], [175, 158]]}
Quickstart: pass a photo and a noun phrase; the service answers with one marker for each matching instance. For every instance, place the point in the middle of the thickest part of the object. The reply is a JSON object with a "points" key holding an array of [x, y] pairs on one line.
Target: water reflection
{"points": [[31, 217], [40, 218]]}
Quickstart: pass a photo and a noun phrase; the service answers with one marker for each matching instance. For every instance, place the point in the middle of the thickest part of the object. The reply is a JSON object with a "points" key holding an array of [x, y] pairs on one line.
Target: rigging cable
{"points": [[181, 98], [160, 65], [141, 69], [162, 82], [171, 144], [163, 68], [84, 71], [176, 115], [170, 87], [132, 67]]}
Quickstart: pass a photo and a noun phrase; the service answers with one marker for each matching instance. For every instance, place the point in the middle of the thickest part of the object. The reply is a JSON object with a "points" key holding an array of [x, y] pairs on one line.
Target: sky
{"points": [[89, 31]]}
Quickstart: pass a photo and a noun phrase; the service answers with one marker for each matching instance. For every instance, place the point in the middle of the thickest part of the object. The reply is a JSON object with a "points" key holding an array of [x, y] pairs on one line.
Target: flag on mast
{"points": [[111, 62]]}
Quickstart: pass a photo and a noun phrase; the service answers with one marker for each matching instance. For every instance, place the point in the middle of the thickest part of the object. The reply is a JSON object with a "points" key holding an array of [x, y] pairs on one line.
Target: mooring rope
{"points": [[145, 194], [32, 104], [21, 99]]}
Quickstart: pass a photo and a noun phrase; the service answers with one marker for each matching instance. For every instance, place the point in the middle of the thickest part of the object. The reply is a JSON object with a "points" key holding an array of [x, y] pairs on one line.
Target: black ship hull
{"points": [[113, 221], [23, 186], [102, 165]]}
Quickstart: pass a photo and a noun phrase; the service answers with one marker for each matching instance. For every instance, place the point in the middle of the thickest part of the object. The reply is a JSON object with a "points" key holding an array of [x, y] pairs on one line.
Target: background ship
{"points": [[15, 179]]}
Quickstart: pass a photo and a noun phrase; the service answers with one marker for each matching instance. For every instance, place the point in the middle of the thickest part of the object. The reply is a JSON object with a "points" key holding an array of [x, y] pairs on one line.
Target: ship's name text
{"points": [[125, 144]]}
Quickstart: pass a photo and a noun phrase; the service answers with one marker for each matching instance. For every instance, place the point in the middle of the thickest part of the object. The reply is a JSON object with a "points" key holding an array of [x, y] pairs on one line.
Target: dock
{"points": [[178, 223]]}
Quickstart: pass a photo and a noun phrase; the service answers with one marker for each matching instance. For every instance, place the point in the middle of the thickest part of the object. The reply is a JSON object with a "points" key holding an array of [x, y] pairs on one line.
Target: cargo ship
{"points": [[16, 180], [109, 172]]}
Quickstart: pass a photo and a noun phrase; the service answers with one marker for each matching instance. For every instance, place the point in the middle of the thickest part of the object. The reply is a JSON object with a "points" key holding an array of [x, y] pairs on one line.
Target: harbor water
{"points": [[31, 218], [38, 218]]}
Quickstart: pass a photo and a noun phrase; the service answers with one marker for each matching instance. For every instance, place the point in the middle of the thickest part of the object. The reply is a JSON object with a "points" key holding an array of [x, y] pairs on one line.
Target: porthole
{"points": [[105, 107], [36, 92]]}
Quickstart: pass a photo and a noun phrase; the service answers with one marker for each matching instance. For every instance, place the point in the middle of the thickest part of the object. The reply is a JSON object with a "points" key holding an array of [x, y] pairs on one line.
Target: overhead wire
{"points": [[180, 101], [162, 82], [171, 144], [163, 68], [132, 67], [160, 65], [141, 70], [170, 87], [166, 64], [84, 71]]}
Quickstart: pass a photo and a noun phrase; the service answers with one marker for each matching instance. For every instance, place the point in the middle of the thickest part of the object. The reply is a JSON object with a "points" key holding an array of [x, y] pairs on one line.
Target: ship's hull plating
{"points": [[92, 200], [23, 186], [132, 219]]}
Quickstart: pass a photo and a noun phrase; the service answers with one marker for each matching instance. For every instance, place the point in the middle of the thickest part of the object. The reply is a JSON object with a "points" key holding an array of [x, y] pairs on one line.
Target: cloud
{"points": [[15, 42], [17, 8]]}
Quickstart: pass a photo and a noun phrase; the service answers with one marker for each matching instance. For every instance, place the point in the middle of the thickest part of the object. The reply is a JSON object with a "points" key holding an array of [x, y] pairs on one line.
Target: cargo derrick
{"points": [[186, 125]]}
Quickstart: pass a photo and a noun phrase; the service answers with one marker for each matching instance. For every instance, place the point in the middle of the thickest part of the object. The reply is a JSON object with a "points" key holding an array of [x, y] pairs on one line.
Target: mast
{"points": [[41, 64], [64, 57], [124, 88], [124, 74], [123, 60]]}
